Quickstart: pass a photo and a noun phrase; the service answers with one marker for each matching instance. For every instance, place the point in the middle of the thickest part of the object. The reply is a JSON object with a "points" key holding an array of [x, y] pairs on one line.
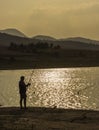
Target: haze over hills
{"points": [[13, 31], [66, 43]]}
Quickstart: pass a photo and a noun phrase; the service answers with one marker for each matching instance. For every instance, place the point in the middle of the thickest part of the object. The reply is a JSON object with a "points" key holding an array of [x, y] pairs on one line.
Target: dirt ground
{"points": [[35, 118]]}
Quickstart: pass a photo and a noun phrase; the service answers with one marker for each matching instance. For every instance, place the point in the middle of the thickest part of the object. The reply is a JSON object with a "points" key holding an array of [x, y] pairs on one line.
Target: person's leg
{"points": [[21, 101], [25, 102]]}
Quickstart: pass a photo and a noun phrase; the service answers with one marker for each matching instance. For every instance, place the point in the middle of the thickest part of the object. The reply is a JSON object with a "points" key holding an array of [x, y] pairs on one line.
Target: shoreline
{"points": [[47, 63]]}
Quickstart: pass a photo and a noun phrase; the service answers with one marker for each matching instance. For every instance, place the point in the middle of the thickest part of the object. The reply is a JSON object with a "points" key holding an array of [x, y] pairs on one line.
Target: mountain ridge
{"points": [[16, 32], [13, 31], [65, 43], [81, 39]]}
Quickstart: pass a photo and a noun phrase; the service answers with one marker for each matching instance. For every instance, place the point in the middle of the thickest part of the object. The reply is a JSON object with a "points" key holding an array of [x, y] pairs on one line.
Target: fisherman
{"points": [[22, 91]]}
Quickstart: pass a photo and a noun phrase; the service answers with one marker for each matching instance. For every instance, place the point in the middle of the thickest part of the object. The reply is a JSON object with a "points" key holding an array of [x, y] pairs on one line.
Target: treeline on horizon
{"points": [[31, 47], [49, 49], [38, 48]]}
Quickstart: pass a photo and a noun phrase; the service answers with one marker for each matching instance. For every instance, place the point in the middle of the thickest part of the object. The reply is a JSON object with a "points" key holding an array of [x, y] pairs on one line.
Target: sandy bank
{"points": [[12, 118]]}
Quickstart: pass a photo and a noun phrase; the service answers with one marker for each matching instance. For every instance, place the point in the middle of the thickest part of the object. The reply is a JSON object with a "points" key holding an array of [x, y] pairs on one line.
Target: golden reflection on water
{"points": [[57, 88]]}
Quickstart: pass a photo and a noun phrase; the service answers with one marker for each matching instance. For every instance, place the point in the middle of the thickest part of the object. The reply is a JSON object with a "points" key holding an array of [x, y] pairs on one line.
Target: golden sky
{"points": [[57, 18]]}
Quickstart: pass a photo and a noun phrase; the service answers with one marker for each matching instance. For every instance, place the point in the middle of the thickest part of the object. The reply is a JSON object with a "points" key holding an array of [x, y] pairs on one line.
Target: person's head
{"points": [[22, 78]]}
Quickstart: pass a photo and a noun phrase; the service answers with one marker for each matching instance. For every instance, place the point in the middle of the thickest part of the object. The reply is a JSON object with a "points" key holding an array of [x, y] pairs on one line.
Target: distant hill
{"points": [[74, 43], [6, 39], [14, 32], [80, 39], [44, 38]]}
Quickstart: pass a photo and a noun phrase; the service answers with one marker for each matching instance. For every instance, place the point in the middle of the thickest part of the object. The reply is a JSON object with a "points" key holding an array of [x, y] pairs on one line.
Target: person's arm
{"points": [[27, 84]]}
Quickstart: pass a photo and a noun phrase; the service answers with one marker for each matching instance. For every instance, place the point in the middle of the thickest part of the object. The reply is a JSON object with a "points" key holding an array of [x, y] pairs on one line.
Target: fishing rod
{"points": [[31, 74]]}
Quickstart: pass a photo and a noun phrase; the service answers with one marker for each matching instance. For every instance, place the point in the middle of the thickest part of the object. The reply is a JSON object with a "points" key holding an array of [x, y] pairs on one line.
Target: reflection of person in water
{"points": [[22, 91]]}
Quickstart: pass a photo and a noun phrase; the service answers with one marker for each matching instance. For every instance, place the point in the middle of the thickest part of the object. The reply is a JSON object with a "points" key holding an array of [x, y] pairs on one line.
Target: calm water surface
{"points": [[64, 87]]}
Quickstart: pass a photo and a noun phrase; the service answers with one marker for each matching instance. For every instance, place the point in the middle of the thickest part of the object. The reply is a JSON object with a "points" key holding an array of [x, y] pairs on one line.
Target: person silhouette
{"points": [[22, 91]]}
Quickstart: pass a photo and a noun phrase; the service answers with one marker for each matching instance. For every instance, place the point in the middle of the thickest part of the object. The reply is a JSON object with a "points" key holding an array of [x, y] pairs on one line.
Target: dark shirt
{"points": [[22, 87]]}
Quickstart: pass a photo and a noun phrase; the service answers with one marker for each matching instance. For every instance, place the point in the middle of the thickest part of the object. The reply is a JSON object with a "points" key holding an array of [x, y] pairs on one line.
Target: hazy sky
{"points": [[58, 18]]}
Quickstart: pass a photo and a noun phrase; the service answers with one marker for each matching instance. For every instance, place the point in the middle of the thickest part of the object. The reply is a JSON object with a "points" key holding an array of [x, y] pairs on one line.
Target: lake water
{"points": [[63, 87]]}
